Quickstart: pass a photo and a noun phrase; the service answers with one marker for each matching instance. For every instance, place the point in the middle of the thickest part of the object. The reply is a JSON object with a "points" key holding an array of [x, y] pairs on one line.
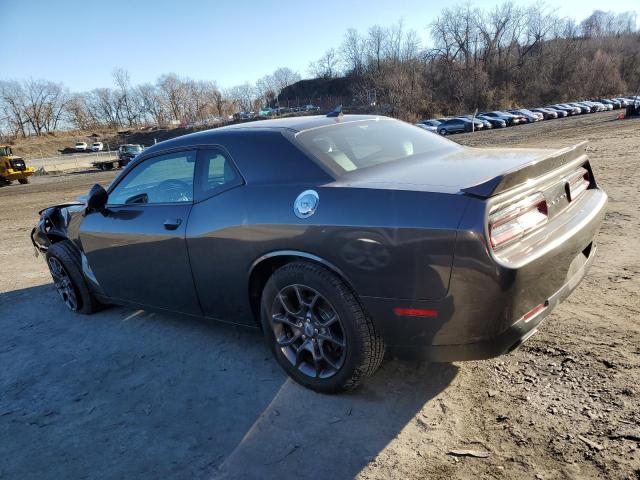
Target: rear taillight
{"points": [[508, 223], [578, 183]]}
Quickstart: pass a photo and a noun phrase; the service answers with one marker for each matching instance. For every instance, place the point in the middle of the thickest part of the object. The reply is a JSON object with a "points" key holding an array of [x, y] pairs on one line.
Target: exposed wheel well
{"points": [[265, 268]]}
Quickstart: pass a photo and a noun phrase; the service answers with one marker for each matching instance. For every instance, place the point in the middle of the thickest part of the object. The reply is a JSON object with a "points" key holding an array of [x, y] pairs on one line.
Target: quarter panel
{"points": [[388, 243]]}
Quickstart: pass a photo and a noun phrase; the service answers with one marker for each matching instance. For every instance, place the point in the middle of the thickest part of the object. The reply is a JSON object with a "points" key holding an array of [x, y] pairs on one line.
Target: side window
{"points": [[217, 173], [164, 179]]}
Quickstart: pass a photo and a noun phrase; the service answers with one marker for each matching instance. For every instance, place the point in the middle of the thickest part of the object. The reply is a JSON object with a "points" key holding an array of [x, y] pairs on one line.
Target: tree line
{"points": [[503, 57], [507, 56], [42, 106]]}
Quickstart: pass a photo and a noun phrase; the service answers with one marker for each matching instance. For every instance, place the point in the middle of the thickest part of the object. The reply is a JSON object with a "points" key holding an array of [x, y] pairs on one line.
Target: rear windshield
{"points": [[346, 147]]}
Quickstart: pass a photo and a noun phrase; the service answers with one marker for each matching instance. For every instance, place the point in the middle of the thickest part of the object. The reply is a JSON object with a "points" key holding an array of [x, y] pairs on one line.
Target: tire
{"points": [[108, 166], [23, 181], [65, 255], [335, 307], [442, 132]]}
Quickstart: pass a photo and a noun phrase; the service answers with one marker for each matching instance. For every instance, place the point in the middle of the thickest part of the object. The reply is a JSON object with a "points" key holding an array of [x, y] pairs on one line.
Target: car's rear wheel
{"points": [[65, 267], [317, 328], [23, 181]]}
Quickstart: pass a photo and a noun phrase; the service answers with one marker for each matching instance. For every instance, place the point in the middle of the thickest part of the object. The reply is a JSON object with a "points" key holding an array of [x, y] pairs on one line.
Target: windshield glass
{"points": [[133, 149], [5, 151], [351, 146]]}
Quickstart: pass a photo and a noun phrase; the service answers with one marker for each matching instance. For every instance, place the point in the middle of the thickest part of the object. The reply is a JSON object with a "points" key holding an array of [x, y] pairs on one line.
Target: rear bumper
{"points": [[506, 341], [483, 314]]}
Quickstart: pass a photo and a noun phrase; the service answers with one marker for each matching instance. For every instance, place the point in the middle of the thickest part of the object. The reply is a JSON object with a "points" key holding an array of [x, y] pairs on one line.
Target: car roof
{"points": [[292, 124], [260, 127], [297, 124]]}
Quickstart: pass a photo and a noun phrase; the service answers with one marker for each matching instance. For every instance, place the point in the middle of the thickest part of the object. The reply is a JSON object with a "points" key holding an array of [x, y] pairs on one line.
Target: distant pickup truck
{"points": [[125, 154]]}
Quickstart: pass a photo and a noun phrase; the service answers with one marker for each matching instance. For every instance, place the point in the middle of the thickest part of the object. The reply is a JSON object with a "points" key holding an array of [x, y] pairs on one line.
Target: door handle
{"points": [[172, 224]]}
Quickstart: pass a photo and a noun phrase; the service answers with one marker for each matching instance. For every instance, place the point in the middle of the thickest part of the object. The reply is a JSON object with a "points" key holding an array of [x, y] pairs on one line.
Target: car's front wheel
{"points": [[442, 131], [317, 328], [65, 267]]}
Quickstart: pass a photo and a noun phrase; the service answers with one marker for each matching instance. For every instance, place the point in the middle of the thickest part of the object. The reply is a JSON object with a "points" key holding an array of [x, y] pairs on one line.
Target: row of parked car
{"points": [[509, 118]]}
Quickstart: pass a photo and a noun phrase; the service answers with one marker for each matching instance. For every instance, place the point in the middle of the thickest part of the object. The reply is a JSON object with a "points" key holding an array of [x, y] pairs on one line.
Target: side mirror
{"points": [[97, 199]]}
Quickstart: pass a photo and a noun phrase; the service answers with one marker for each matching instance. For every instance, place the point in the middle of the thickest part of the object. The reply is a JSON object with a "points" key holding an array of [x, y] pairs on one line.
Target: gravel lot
{"points": [[138, 395]]}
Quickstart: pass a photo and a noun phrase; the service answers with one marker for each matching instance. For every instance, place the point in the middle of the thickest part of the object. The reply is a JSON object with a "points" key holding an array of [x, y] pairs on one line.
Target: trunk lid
{"points": [[481, 172]]}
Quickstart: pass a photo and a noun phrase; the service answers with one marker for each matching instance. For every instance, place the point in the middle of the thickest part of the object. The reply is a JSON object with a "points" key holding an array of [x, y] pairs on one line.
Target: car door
{"points": [[458, 125], [137, 248]]}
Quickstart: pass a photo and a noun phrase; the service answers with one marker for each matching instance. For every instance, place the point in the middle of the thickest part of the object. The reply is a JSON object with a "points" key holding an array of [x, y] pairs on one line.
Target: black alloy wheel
{"points": [[63, 284], [317, 328], [308, 331]]}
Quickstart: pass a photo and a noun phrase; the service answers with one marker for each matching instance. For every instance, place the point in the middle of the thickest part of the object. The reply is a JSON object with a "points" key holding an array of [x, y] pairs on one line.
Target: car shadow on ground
{"points": [[126, 393]]}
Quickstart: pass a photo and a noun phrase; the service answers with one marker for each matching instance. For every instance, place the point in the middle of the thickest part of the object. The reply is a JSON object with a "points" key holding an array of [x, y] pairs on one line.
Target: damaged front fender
{"points": [[56, 223]]}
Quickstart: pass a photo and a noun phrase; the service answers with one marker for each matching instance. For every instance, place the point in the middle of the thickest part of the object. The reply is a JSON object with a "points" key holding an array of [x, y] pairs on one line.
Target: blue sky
{"points": [[230, 41]]}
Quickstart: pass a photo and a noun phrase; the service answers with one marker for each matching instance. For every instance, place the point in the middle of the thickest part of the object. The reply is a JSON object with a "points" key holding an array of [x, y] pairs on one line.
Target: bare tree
{"points": [[243, 95], [283, 77], [34, 106], [131, 108], [12, 96], [375, 44], [353, 52], [326, 66], [173, 92]]}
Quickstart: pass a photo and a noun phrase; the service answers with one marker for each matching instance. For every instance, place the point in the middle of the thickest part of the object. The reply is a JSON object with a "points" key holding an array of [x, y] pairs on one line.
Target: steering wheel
{"points": [[174, 190]]}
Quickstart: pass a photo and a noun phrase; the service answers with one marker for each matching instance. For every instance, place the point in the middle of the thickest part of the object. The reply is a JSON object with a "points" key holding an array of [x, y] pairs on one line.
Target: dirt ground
{"points": [[130, 394]]}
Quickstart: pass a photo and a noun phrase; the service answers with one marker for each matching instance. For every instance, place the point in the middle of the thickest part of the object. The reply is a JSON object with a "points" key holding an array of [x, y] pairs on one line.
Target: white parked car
{"points": [[81, 146], [97, 147]]}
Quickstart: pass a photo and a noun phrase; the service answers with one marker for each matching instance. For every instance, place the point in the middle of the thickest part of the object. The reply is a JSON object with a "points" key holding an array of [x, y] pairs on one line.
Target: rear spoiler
{"points": [[536, 168]]}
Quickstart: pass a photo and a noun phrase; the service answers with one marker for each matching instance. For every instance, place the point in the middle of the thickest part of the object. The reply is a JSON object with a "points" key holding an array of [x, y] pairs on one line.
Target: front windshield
{"points": [[360, 144], [5, 151], [133, 149]]}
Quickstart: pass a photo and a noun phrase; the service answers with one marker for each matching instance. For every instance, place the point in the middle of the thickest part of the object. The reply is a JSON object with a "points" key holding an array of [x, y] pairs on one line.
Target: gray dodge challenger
{"points": [[340, 238]]}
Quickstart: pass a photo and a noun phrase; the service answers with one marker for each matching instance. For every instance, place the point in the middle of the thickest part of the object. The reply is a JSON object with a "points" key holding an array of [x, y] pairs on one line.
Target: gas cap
{"points": [[306, 204]]}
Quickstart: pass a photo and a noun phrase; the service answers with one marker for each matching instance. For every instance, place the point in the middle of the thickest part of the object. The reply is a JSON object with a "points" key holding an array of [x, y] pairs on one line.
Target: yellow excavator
{"points": [[12, 167]]}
